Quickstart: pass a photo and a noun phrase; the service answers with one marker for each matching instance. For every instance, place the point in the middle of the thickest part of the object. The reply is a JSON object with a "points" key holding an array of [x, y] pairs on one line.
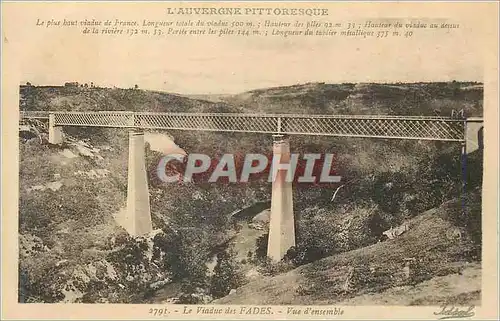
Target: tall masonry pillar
{"points": [[55, 132], [138, 214], [282, 220]]}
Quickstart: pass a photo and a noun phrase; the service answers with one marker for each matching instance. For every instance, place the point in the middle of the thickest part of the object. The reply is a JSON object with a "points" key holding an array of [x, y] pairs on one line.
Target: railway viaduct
{"points": [[464, 131]]}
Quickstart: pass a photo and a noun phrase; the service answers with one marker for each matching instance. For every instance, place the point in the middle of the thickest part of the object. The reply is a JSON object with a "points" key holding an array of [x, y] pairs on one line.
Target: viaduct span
{"points": [[464, 131]]}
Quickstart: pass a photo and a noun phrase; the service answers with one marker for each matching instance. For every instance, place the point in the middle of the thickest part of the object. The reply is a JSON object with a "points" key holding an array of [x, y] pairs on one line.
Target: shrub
{"points": [[304, 253], [315, 240], [271, 268], [227, 274], [40, 286], [421, 270], [261, 247], [388, 191], [184, 254]]}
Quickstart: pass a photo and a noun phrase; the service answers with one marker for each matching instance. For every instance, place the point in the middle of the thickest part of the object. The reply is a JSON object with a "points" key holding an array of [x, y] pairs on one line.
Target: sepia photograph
{"points": [[400, 223], [245, 160]]}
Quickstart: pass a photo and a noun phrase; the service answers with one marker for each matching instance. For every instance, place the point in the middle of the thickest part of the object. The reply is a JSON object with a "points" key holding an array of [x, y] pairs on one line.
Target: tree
{"points": [[227, 274], [136, 86], [261, 247], [184, 254]]}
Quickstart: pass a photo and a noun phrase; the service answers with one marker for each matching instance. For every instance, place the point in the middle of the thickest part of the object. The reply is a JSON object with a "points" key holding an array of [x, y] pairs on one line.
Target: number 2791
{"points": [[158, 312]]}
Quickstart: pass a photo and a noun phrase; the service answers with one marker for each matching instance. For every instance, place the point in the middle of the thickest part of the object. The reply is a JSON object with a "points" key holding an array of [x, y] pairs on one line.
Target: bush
{"points": [[316, 239], [271, 268], [304, 253], [131, 263], [261, 247], [40, 286], [388, 191], [227, 275], [421, 270], [465, 213], [184, 254]]}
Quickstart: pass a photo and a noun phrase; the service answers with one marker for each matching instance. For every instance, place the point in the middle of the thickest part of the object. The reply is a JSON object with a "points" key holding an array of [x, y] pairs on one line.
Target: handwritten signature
{"points": [[454, 312]]}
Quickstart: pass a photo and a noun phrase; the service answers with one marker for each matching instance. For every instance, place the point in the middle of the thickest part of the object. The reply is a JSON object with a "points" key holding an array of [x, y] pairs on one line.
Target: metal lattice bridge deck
{"points": [[137, 219], [375, 126]]}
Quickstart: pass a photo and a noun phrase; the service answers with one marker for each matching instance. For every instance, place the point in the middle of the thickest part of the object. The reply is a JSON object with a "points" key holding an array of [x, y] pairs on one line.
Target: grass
{"points": [[380, 269]]}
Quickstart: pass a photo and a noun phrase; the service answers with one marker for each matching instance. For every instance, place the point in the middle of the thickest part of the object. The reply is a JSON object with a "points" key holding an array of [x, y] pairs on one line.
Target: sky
{"points": [[230, 65], [223, 68]]}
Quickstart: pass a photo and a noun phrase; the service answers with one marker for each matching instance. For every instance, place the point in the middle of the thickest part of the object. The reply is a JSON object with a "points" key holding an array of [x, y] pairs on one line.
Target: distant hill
{"points": [[60, 98], [209, 97], [365, 98], [311, 98]]}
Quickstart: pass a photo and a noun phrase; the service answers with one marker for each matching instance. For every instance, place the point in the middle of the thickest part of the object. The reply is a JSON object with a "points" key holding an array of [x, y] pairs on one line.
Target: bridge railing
{"points": [[34, 114], [376, 126]]}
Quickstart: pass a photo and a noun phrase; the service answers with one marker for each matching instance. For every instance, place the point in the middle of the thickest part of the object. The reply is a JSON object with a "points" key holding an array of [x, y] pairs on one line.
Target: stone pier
{"points": [[138, 214], [474, 134], [282, 220], [55, 132]]}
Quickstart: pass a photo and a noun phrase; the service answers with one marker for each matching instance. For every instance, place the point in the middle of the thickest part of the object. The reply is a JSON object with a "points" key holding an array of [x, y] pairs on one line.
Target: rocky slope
{"points": [[431, 263]]}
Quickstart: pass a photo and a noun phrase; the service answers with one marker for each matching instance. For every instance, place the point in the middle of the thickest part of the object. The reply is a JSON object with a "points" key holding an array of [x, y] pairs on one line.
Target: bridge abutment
{"points": [[474, 134], [138, 214], [55, 132], [282, 220]]}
